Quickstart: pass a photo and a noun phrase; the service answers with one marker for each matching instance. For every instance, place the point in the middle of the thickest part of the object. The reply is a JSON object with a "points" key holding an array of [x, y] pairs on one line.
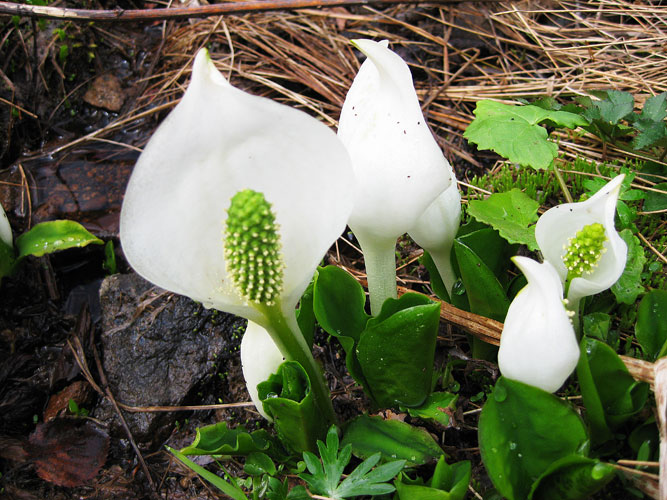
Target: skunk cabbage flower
{"points": [[234, 202], [580, 241], [5, 229], [399, 168], [260, 358], [538, 345], [436, 229]]}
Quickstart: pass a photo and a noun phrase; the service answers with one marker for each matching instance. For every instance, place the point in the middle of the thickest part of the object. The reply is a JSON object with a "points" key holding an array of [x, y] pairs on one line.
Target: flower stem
{"points": [[380, 262], [561, 181], [285, 332]]}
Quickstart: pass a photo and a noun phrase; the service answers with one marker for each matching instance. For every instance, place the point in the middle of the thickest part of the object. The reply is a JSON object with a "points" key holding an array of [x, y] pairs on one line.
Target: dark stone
{"points": [[157, 347]]}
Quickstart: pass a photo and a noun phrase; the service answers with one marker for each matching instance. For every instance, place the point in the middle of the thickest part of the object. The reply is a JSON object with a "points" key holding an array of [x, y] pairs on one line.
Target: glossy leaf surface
{"points": [[522, 431], [52, 236], [572, 478], [651, 326]]}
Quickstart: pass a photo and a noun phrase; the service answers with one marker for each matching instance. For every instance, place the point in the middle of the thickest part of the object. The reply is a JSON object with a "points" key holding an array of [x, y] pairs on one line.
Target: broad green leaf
{"points": [[654, 200], [629, 287], [434, 407], [607, 386], [514, 131], [339, 302], [572, 478], [392, 438], [49, 237], [651, 326], [486, 295], [288, 399], [229, 489], [305, 316], [522, 430], [596, 325], [513, 214], [219, 439], [396, 351], [7, 259], [492, 249], [449, 482], [258, 463], [437, 285]]}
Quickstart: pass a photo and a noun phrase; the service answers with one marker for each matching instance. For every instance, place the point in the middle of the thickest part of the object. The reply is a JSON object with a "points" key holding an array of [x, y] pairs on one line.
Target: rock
{"points": [[105, 92], [157, 347]]}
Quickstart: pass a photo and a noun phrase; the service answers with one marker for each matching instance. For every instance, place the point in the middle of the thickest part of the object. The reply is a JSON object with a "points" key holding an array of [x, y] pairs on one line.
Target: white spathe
{"points": [[217, 141], [436, 229], [5, 229], [538, 345], [399, 167], [260, 358], [560, 223]]}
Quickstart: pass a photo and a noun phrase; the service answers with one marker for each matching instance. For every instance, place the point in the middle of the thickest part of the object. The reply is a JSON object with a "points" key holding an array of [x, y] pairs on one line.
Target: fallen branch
{"points": [[116, 15]]}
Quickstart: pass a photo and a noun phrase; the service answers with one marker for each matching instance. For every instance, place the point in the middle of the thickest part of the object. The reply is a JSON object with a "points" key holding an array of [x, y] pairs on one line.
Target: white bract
{"points": [[5, 229], [559, 228], [436, 229], [538, 345], [260, 358], [399, 168], [219, 141]]}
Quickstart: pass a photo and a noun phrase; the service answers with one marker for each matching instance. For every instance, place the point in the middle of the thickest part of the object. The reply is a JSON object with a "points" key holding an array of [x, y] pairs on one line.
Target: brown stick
{"points": [[38, 11], [661, 407]]}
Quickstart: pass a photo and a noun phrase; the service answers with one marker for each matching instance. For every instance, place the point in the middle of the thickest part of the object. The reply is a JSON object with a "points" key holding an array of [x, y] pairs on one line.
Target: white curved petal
{"points": [[538, 345], [260, 358], [436, 228], [399, 167], [5, 228], [557, 225], [216, 142]]}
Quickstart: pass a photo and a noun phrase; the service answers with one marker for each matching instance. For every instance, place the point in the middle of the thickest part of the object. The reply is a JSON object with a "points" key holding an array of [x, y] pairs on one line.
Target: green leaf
{"points": [[522, 430], [513, 214], [49, 237], [492, 249], [396, 351], [218, 439], [607, 388], [229, 489], [7, 259], [629, 287], [650, 123], [514, 131], [449, 482], [437, 285], [288, 399], [109, 264], [339, 302], [305, 315], [572, 478], [392, 438], [597, 325], [325, 474], [486, 295], [258, 463], [651, 326], [616, 106], [656, 201], [434, 407]]}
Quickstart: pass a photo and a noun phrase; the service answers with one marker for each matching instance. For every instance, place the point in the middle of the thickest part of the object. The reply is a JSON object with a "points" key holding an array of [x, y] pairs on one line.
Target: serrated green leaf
{"points": [[655, 108], [629, 287], [512, 214], [514, 131], [656, 200], [616, 106], [52, 236]]}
